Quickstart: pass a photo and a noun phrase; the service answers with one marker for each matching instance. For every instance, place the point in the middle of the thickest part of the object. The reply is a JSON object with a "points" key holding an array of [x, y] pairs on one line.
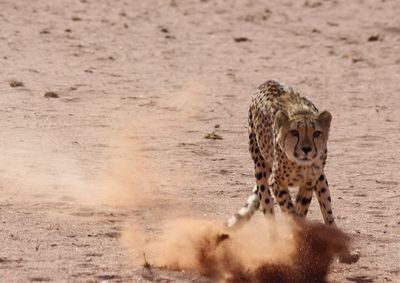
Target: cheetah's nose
{"points": [[306, 149]]}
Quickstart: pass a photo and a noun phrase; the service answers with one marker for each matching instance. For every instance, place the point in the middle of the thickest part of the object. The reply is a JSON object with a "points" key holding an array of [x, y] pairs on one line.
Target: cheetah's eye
{"points": [[317, 134], [295, 133]]}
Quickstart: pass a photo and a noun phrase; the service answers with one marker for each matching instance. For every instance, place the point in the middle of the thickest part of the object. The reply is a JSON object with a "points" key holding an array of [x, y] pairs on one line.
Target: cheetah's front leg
{"points": [[283, 198], [303, 200], [262, 170], [324, 199]]}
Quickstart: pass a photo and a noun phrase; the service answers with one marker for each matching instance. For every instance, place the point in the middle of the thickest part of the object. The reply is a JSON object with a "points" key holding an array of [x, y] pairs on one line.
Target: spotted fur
{"points": [[288, 144]]}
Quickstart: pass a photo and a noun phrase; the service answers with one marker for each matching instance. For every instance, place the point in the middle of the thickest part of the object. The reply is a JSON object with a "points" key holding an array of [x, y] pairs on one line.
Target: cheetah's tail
{"points": [[246, 212]]}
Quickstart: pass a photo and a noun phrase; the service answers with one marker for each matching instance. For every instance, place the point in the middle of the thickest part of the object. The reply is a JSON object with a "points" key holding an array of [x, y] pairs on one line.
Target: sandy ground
{"points": [[160, 75]]}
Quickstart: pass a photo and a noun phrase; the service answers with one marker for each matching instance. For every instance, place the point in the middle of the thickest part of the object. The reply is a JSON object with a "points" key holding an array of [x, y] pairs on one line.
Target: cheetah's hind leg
{"points": [[246, 212]]}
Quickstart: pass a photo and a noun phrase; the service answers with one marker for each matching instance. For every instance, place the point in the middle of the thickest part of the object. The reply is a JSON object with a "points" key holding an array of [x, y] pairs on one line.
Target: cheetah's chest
{"points": [[292, 175]]}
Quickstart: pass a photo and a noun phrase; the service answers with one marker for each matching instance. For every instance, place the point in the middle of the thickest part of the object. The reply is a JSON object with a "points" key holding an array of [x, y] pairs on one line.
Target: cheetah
{"points": [[288, 144]]}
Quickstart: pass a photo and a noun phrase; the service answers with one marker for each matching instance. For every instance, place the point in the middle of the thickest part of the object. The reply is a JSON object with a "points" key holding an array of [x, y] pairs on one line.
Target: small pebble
{"points": [[375, 37], [51, 94], [15, 83], [241, 39]]}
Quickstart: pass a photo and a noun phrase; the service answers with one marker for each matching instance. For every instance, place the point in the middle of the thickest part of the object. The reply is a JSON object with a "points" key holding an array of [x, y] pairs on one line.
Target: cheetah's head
{"points": [[303, 137]]}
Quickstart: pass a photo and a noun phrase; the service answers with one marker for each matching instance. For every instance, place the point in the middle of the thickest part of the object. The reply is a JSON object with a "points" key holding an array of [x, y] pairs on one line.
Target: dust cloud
{"points": [[271, 251], [41, 169], [127, 181]]}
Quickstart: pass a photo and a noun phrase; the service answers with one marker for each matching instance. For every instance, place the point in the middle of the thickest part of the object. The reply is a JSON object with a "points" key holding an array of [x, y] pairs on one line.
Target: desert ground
{"points": [[122, 113]]}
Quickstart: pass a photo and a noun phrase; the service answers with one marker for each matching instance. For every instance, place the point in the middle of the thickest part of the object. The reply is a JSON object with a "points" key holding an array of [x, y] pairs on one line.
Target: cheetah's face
{"points": [[304, 137]]}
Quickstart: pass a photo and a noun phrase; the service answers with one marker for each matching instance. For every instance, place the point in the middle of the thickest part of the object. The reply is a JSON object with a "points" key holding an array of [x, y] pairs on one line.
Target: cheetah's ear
{"points": [[280, 118], [325, 118]]}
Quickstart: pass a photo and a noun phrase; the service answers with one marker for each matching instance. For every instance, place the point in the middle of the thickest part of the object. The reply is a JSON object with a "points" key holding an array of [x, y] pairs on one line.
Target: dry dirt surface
{"points": [[122, 114]]}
